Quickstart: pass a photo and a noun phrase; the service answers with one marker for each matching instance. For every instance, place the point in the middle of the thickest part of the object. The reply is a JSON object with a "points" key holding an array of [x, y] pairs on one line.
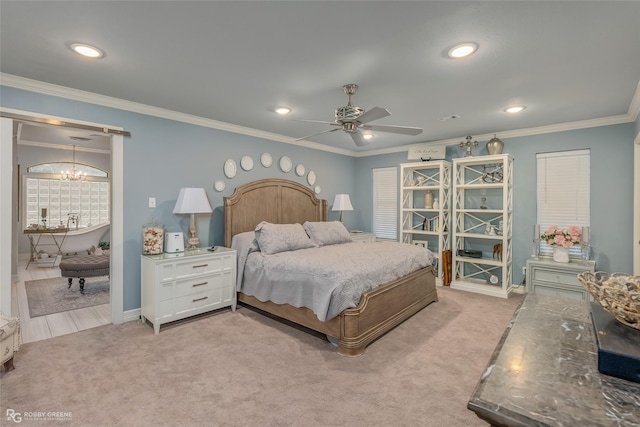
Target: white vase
{"points": [[560, 254], [428, 200]]}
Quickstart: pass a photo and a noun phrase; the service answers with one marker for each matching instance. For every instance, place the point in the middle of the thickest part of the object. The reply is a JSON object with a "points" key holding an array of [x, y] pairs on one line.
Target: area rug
{"points": [[48, 296]]}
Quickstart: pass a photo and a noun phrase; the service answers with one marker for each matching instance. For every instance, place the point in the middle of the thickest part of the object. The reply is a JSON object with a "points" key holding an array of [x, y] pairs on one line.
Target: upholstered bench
{"points": [[84, 266], [10, 340]]}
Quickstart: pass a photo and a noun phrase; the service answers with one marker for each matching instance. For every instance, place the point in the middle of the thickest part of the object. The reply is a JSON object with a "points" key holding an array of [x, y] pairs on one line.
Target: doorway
{"points": [[8, 212]]}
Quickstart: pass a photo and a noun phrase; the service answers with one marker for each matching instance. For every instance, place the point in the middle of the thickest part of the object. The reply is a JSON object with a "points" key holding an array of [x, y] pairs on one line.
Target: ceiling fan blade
{"points": [[317, 121], [358, 139], [373, 114], [404, 130], [316, 134]]}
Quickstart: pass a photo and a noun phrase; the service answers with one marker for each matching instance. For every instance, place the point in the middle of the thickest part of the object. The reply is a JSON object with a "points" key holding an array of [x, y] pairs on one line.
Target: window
{"points": [[88, 200], [385, 203], [563, 196]]}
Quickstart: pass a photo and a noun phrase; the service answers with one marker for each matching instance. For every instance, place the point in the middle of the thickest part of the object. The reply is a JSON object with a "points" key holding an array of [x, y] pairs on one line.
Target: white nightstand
{"points": [[363, 237], [176, 286], [547, 277]]}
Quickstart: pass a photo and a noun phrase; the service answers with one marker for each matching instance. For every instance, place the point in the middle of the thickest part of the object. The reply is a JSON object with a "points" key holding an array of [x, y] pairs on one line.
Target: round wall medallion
{"points": [[266, 160], [230, 168], [246, 163], [300, 169], [285, 164], [317, 189], [219, 185], [311, 178]]}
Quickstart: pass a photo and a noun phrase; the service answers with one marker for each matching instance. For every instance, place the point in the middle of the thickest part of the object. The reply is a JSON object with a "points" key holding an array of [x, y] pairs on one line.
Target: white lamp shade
{"points": [[192, 200], [342, 203]]}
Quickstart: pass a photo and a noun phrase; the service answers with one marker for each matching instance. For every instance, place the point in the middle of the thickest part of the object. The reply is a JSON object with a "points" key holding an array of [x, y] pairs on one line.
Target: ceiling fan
{"points": [[353, 120]]}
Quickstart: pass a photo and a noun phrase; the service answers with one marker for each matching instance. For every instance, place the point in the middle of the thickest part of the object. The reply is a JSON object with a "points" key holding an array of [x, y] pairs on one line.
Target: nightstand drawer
{"points": [[549, 275], [196, 267], [560, 292], [192, 302]]}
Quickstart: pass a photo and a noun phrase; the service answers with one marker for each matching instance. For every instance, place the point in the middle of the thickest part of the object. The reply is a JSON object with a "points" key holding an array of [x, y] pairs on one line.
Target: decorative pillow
{"points": [[327, 233], [275, 238]]}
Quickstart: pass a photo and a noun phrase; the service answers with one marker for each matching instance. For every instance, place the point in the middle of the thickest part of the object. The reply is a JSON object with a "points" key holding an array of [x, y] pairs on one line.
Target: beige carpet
{"points": [[245, 369], [47, 296]]}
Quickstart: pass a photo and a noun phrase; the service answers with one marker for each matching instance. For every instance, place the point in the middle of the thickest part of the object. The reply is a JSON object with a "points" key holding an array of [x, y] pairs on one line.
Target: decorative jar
{"points": [[153, 238], [428, 200], [560, 254]]}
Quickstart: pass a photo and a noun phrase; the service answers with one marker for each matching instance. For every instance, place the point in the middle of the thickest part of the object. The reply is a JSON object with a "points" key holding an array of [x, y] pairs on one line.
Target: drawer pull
{"points": [[201, 265], [200, 299], [199, 284]]}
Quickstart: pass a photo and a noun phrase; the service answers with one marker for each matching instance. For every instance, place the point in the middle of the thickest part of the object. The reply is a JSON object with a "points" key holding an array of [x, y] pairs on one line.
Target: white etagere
{"points": [[482, 219], [428, 226]]}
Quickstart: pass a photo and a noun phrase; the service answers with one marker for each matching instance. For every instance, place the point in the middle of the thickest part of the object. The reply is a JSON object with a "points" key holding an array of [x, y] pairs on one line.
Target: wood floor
{"points": [[51, 325]]}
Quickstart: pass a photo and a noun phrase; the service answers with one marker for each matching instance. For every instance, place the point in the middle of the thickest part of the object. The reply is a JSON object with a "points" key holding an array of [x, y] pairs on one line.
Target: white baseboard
{"points": [[131, 315]]}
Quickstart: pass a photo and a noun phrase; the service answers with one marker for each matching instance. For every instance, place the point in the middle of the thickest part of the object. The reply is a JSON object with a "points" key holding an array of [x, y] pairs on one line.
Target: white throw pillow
{"points": [[327, 233], [275, 238]]}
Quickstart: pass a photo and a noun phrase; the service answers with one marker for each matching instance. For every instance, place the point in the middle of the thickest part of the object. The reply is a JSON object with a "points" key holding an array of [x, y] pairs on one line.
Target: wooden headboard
{"points": [[278, 201]]}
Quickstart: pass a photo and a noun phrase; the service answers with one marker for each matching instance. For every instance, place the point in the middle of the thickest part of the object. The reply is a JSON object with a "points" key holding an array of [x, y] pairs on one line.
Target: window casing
{"points": [[563, 192]]}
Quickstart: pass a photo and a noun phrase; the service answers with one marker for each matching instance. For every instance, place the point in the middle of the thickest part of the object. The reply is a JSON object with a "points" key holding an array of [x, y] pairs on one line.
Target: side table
{"points": [[545, 276], [363, 237]]}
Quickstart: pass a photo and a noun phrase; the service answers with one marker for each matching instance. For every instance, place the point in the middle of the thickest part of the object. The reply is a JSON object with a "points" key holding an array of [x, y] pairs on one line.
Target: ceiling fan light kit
{"points": [[352, 120]]}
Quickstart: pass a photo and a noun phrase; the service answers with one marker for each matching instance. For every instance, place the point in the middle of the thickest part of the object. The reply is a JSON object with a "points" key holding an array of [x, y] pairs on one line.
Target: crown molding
{"points": [[135, 107], [107, 101]]}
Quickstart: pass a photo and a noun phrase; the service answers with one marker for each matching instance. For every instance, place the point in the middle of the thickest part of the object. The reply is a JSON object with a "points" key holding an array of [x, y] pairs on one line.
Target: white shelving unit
{"points": [[419, 224], [482, 220]]}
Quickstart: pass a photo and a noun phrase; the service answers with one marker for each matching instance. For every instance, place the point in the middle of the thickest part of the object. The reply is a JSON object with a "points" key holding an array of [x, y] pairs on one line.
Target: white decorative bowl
{"points": [[617, 293]]}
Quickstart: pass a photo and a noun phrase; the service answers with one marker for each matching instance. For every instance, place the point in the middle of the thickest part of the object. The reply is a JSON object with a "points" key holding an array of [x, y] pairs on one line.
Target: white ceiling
{"points": [[233, 62]]}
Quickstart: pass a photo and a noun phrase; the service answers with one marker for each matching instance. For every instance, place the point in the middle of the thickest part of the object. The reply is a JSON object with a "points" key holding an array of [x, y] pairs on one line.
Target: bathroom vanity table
{"points": [[55, 245]]}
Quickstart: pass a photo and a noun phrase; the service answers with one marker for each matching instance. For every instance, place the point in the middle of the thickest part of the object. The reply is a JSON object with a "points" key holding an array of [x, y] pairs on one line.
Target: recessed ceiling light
{"points": [[515, 109], [367, 135], [86, 50], [462, 50], [282, 110]]}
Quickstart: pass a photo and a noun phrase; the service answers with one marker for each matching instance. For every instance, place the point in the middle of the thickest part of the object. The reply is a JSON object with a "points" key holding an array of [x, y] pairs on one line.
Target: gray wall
{"points": [[611, 189]]}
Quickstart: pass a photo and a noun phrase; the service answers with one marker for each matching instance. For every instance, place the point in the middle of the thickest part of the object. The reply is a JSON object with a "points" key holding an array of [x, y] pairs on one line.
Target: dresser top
{"points": [[544, 372], [188, 253]]}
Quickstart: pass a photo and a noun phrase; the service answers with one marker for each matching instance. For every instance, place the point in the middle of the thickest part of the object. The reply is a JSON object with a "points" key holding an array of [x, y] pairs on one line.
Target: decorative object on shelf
{"points": [[219, 185], [428, 200], [266, 160], [497, 251], [246, 163], [562, 240], [490, 230], [495, 145], [436, 204], [468, 144], [192, 201], [420, 180], [483, 199], [617, 293], [230, 168], [492, 279], [311, 177], [300, 169], [152, 238], [285, 164], [500, 228], [342, 203], [492, 176], [73, 174]]}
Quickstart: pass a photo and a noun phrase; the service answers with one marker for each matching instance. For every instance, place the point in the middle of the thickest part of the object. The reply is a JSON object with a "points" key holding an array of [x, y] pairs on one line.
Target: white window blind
{"points": [[563, 192], [385, 203]]}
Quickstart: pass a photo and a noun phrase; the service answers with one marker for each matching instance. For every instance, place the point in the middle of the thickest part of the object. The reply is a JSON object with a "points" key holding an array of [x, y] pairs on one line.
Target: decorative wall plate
{"points": [[219, 185], [230, 168], [246, 163], [266, 160], [317, 189], [285, 164], [300, 169], [311, 178]]}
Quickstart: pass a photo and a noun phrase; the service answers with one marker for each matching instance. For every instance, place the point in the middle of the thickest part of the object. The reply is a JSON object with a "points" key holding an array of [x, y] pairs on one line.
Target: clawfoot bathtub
{"points": [[81, 239]]}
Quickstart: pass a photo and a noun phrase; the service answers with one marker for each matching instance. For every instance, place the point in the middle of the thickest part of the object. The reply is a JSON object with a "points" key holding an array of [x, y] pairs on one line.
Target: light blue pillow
{"points": [[327, 233], [275, 238]]}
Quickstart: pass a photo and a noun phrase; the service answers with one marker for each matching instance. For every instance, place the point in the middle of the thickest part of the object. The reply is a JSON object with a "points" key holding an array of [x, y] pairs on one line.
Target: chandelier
{"points": [[73, 174]]}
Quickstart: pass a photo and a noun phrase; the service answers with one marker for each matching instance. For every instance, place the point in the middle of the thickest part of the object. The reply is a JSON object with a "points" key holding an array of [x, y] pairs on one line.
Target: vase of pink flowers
{"points": [[561, 240]]}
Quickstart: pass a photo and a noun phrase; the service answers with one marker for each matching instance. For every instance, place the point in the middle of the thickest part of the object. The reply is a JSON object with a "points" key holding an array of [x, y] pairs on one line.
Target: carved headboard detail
{"points": [[278, 201]]}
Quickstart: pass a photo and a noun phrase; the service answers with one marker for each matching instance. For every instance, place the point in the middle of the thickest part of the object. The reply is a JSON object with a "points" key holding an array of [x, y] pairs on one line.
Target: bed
{"points": [[280, 201]]}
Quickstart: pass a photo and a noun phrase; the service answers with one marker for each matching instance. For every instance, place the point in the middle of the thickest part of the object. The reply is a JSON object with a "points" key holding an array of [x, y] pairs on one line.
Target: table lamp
{"points": [[342, 203], [192, 201]]}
